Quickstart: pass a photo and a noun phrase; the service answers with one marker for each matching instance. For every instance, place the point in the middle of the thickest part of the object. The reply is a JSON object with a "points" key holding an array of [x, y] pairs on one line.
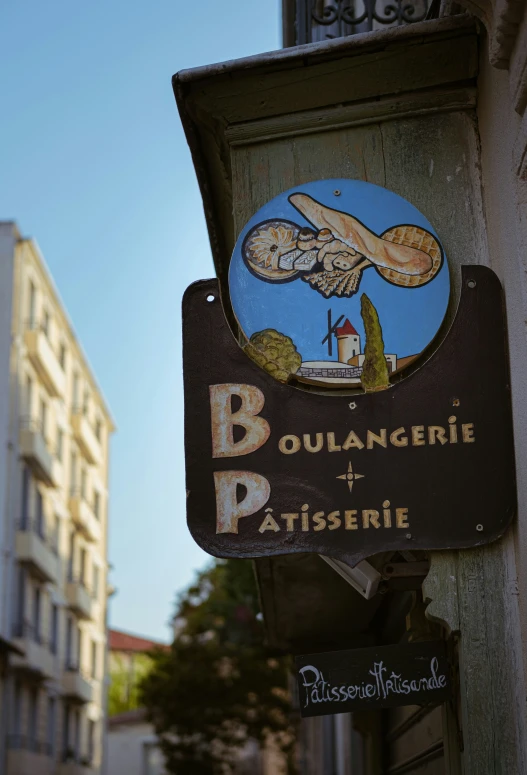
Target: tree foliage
{"points": [[217, 686], [126, 672], [375, 368]]}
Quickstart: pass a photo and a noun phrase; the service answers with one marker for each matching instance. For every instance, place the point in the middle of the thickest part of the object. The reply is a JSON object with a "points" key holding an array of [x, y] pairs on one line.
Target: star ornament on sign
{"points": [[350, 476]]}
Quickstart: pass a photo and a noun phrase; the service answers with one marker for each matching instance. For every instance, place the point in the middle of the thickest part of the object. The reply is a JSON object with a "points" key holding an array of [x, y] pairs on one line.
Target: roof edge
{"points": [[351, 45]]}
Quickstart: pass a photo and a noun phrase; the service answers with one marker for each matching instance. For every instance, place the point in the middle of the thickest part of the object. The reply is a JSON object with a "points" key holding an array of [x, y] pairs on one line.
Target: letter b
{"points": [[223, 419]]}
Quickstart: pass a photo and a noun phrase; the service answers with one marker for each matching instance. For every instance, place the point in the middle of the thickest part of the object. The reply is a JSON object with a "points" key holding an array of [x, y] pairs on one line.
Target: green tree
{"points": [[126, 671], [218, 686], [375, 368]]}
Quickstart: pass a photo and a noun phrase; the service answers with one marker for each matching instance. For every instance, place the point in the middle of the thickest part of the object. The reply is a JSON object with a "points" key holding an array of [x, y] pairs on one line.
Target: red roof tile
{"points": [[123, 641], [346, 329], [137, 716]]}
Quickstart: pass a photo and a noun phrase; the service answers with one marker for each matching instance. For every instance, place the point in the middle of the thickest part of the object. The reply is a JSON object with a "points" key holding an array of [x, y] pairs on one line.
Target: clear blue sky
{"points": [[94, 165]]}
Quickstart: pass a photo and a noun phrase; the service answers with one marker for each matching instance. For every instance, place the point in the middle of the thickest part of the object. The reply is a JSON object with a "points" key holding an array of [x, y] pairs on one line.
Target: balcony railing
{"points": [[318, 20], [84, 517], [73, 764], [25, 743], [37, 550], [35, 450], [79, 597], [26, 629], [44, 359], [36, 658], [77, 685], [36, 526], [85, 435]]}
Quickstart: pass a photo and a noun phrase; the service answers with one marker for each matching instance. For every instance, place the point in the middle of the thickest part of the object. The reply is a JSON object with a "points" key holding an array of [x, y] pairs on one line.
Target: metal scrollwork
{"points": [[330, 14], [342, 17], [402, 14], [348, 18]]}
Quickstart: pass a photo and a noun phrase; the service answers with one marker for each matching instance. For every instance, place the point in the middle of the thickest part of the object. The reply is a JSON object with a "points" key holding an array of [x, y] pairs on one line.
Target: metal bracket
{"points": [[363, 577]]}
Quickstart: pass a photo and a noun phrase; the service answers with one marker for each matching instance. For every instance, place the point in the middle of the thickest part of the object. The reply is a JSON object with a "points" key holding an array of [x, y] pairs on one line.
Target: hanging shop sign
{"points": [[372, 678], [304, 263], [422, 462]]}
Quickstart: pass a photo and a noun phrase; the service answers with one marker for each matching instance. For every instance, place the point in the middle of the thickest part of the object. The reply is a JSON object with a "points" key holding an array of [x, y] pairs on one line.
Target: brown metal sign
{"points": [[426, 464]]}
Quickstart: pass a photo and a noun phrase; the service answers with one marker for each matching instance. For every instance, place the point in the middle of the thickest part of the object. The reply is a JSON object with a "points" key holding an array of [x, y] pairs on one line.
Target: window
{"points": [[77, 734], [54, 640], [45, 322], [96, 581], [39, 513], [71, 556], [37, 603], [62, 356], [55, 534], [69, 642], [84, 483], [93, 659], [85, 403], [66, 733], [26, 484], [17, 708], [29, 396], [79, 647], [73, 472], [82, 566], [91, 740], [97, 504], [32, 718], [21, 601], [32, 304], [43, 417], [75, 390], [98, 429], [52, 708], [60, 443]]}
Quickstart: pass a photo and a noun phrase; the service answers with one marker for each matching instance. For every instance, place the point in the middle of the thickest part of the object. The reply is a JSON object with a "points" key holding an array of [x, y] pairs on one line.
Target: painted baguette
{"points": [[401, 258]]}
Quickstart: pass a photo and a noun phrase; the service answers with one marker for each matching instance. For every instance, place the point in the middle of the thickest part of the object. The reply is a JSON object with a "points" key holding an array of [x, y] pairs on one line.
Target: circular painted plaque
{"points": [[315, 265]]}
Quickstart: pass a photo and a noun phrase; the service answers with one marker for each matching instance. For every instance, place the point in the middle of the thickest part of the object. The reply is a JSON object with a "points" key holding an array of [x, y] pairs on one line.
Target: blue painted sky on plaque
{"points": [[305, 259]]}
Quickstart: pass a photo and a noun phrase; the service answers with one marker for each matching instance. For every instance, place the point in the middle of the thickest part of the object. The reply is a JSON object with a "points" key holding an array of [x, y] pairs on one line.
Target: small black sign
{"points": [[382, 677]]}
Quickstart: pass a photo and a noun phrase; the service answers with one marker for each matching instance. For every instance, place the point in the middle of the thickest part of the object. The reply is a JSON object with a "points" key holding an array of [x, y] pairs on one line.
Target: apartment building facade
{"points": [[55, 430]]}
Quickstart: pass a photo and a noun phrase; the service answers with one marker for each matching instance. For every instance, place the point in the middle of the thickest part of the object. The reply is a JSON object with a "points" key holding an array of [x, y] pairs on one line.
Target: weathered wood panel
{"points": [[422, 734], [475, 593], [355, 75], [354, 114]]}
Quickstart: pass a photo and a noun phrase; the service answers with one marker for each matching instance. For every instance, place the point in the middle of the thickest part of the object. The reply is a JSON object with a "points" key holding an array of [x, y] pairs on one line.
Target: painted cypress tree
{"points": [[375, 368]]}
